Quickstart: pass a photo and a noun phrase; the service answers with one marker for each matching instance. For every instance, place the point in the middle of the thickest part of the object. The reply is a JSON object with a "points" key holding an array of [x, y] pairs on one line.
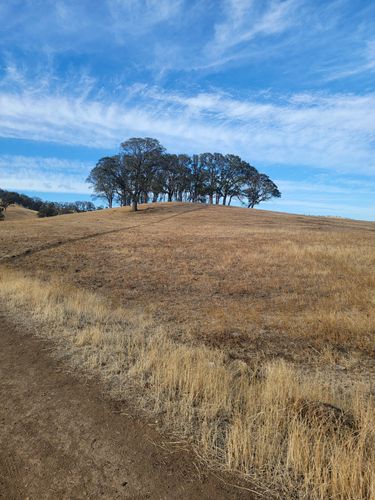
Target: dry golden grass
{"points": [[15, 213], [269, 422], [252, 282], [239, 328]]}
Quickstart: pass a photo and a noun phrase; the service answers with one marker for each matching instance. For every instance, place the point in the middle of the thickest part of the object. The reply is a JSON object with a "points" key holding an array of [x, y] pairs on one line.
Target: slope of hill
{"points": [[246, 275], [16, 213], [208, 302]]}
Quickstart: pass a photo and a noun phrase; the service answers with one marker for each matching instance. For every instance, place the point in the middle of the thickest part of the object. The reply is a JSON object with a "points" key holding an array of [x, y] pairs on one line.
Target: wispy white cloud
{"points": [[198, 35], [142, 14], [55, 27], [54, 175], [246, 19], [316, 188], [364, 63], [327, 131], [325, 206], [335, 195]]}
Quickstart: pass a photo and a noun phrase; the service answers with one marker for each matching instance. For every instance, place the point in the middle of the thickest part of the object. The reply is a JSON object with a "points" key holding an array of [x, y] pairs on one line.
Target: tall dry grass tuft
{"points": [[294, 435]]}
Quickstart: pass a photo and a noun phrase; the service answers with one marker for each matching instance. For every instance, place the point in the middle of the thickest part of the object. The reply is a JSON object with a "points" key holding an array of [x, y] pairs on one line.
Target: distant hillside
{"points": [[43, 208], [16, 213]]}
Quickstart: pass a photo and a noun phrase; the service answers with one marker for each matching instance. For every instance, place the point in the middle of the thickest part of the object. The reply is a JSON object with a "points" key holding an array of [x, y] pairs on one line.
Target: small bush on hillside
{"points": [[3, 206]]}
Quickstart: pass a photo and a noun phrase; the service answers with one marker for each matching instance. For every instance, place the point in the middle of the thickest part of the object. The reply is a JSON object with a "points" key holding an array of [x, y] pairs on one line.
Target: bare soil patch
{"points": [[60, 437]]}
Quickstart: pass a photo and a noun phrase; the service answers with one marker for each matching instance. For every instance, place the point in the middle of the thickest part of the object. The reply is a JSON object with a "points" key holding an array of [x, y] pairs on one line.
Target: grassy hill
{"points": [[279, 306], [16, 213], [225, 275]]}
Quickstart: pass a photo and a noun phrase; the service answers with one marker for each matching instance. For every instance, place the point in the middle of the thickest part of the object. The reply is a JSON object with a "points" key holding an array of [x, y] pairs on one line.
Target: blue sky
{"points": [[287, 84]]}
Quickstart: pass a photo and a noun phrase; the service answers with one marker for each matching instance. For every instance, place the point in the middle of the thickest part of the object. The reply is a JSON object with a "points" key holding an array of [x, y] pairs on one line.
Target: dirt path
{"points": [[60, 439], [56, 244]]}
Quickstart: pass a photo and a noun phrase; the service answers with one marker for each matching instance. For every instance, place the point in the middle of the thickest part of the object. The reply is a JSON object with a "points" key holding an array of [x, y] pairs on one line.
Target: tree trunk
{"points": [[225, 200], [211, 199], [134, 205]]}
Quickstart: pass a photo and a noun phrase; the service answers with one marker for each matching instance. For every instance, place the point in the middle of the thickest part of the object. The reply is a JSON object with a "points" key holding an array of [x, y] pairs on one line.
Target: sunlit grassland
{"points": [[250, 334]]}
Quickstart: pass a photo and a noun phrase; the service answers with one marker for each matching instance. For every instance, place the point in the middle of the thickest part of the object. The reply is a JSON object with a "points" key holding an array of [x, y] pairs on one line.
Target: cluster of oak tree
{"points": [[143, 171], [52, 208]]}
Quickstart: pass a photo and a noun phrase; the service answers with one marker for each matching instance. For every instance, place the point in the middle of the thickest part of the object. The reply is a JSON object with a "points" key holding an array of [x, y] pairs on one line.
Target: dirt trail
{"points": [[61, 439]]}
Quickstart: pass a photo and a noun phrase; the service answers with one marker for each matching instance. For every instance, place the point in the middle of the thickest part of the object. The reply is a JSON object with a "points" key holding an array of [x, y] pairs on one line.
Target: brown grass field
{"points": [[15, 213], [247, 332]]}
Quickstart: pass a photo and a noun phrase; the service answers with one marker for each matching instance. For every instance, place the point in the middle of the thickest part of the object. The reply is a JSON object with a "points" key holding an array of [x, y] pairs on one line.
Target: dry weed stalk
{"points": [[299, 436]]}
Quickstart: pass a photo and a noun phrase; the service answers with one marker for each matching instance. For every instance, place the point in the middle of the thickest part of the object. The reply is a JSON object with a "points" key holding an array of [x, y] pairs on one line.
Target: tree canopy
{"points": [[144, 171]]}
